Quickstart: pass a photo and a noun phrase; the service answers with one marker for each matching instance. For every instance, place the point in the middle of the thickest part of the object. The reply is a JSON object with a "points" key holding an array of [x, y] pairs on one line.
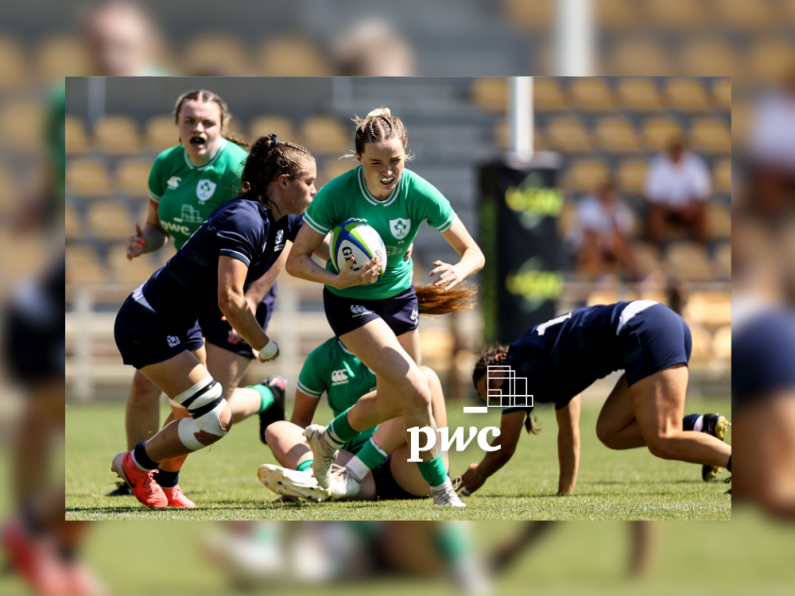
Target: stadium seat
{"points": [[719, 223], [701, 343], [73, 227], [586, 175], [132, 177], [133, 272], [110, 221], [708, 57], [616, 15], [742, 15], [639, 56], [722, 343], [723, 261], [710, 135], [677, 15], [741, 114], [83, 266], [75, 137], [290, 56], [591, 94], [326, 135], [530, 16], [21, 125], [609, 297], [278, 125], [216, 55], [569, 135], [87, 178], [658, 132], [9, 199], [710, 309], [616, 134], [161, 133], [722, 93], [639, 95], [548, 96], [722, 176], [117, 135], [787, 11], [771, 61], [566, 218], [490, 93], [686, 95], [59, 56], [333, 168], [687, 261], [631, 176], [501, 136], [647, 257], [15, 69]]}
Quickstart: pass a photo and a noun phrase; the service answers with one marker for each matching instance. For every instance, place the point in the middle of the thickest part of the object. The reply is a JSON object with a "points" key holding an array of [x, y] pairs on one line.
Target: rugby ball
{"points": [[354, 238]]}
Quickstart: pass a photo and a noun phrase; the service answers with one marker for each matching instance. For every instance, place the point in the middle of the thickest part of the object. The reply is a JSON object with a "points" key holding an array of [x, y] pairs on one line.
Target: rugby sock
{"points": [[266, 394], [141, 460], [453, 542], [267, 533], [694, 422], [340, 431], [729, 465], [167, 479], [433, 471], [368, 458], [304, 465]]}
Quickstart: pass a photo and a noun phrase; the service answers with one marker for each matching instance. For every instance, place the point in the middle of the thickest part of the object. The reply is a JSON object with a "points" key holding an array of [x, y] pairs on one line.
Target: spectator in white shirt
{"points": [[602, 232], [677, 189]]}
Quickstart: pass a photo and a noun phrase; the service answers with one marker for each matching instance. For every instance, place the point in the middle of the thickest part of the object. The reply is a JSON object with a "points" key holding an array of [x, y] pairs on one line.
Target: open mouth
{"points": [[388, 181], [198, 142]]}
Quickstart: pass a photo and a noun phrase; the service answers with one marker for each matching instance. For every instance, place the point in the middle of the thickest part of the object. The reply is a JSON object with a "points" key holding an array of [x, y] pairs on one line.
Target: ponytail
{"points": [[437, 301]]}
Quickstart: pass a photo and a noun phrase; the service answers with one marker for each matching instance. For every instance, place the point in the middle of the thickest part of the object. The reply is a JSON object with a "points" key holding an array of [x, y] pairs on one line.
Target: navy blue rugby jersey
{"points": [[763, 354], [243, 229], [565, 355]]}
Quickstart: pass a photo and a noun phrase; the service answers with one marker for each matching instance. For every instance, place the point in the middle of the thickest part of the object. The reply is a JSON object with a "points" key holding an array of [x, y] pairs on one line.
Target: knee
{"points": [[603, 433], [660, 446], [273, 431], [419, 396], [143, 390]]}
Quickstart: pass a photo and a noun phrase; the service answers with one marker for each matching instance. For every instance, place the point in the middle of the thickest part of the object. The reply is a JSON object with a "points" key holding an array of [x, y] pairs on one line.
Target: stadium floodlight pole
{"points": [[520, 117], [574, 38]]}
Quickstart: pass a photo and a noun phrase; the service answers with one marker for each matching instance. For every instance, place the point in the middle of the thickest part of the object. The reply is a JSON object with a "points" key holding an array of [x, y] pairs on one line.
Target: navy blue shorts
{"points": [[653, 340], [400, 312], [34, 352], [144, 337], [219, 333], [386, 487]]}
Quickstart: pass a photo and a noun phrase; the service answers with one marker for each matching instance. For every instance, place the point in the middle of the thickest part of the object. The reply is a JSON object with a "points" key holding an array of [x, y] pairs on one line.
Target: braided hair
{"points": [[268, 159]]}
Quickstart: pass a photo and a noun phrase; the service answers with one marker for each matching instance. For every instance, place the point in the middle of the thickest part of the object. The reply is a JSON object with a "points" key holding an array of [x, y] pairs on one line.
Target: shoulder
{"points": [[234, 154], [417, 185], [242, 211], [321, 356], [172, 156]]}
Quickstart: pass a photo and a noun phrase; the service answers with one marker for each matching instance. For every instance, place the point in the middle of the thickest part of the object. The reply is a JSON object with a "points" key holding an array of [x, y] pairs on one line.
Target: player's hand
{"points": [[258, 357], [368, 274], [448, 275], [470, 481], [409, 252], [233, 337], [135, 243]]}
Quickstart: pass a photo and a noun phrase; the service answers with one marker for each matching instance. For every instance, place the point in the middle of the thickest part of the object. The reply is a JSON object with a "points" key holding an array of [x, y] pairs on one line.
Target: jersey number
{"points": [[543, 326]]}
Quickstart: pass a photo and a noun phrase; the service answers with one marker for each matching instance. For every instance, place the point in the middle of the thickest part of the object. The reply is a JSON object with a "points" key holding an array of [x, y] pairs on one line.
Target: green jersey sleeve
{"points": [[323, 213], [312, 379], [157, 176], [432, 204]]}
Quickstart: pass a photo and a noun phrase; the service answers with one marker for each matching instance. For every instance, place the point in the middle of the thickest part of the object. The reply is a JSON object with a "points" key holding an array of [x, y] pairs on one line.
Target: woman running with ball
{"points": [[157, 329], [377, 317]]}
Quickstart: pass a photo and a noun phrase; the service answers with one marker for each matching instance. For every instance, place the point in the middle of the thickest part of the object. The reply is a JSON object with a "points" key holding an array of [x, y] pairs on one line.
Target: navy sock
{"points": [[167, 479], [729, 465], [689, 421], [141, 458]]}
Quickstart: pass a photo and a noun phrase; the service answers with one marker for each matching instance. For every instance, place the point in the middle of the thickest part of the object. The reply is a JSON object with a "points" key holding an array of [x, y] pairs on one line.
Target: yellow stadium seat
{"points": [[686, 95], [744, 15], [83, 266], [707, 57], [326, 135], [490, 93], [531, 16], [548, 95], [722, 176], [161, 133], [710, 309], [616, 15], [616, 134], [110, 221], [631, 176], [569, 135], [216, 55], [722, 93], [591, 94], [710, 135], [290, 56], [687, 261], [75, 137], [73, 227], [722, 343], [639, 95], [9, 199], [647, 257], [21, 125], [59, 56], [586, 175], [133, 272], [132, 177], [787, 11], [719, 223], [658, 133], [117, 135], [701, 343], [723, 261], [679, 15], [771, 61], [87, 178], [333, 168], [278, 125], [15, 69], [501, 136], [742, 111], [639, 56]]}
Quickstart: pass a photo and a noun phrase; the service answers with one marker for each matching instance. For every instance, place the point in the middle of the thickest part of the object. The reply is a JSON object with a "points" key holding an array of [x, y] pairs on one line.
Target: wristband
{"points": [[268, 352]]}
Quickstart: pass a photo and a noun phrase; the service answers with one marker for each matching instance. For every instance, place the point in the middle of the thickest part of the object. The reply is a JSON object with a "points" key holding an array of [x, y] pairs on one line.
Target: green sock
{"points": [[267, 533], [453, 541], [340, 431], [265, 393], [304, 465], [433, 471], [368, 458]]}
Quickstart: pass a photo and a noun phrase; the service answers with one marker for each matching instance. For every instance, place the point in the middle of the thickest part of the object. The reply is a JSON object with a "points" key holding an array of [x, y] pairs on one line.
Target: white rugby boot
{"points": [[342, 483], [292, 483], [323, 454], [445, 496]]}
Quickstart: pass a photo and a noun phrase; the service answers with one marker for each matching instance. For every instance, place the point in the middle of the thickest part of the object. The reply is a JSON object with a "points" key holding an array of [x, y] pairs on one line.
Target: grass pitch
{"points": [[222, 479]]}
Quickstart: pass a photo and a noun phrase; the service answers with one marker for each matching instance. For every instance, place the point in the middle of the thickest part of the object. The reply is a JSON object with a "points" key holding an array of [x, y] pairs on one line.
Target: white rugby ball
{"points": [[356, 239]]}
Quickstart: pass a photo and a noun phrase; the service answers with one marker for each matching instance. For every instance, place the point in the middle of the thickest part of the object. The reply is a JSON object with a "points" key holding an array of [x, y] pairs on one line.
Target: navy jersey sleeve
{"points": [[240, 233], [296, 221]]}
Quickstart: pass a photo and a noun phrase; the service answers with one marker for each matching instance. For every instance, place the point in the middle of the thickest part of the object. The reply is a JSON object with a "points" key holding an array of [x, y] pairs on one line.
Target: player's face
{"points": [[200, 129], [383, 163], [301, 190]]}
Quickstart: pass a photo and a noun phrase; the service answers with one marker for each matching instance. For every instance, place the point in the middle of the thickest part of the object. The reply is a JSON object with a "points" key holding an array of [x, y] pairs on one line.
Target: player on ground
{"points": [[562, 357], [157, 329], [186, 184], [379, 322], [376, 459]]}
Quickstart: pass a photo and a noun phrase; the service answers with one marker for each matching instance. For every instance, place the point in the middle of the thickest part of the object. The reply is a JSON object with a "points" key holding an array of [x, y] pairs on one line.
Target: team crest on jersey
{"points": [[205, 189], [173, 182], [339, 377], [279, 237], [172, 340], [400, 227]]}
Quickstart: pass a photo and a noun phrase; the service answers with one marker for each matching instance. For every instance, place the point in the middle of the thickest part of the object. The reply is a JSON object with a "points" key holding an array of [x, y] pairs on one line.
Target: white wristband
{"points": [[268, 352]]}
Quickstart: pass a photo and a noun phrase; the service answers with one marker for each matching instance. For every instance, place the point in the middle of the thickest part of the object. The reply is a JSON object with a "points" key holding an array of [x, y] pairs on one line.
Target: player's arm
{"points": [[472, 259], [232, 301], [510, 430], [256, 291], [568, 445], [304, 409], [151, 238]]}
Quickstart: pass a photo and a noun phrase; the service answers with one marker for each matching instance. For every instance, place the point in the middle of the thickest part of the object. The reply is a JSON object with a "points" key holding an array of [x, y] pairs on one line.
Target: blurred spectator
{"points": [[601, 234], [677, 189], [373, 48]]}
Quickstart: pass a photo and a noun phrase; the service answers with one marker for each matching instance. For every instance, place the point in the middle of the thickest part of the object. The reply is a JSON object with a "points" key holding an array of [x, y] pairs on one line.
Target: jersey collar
{"points": [[210, 162], [370, 198]]}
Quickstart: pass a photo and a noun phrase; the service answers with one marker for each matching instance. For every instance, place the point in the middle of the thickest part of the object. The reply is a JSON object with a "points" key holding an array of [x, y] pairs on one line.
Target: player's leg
{"points": [[142, 414], [616, 426], [288, 445]]}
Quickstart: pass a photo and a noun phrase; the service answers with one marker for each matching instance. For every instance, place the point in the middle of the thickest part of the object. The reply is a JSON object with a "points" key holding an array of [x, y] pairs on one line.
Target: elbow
{"points": [[226, 302], [290, 265]]}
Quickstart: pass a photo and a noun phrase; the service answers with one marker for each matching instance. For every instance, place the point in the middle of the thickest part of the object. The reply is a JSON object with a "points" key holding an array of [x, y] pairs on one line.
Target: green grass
{"points": [[222, 479]]}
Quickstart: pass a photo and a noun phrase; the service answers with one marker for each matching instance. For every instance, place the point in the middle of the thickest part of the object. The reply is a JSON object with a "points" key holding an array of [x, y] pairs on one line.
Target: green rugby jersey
{"points": [[188, 193], [333, 369], [397, 219]]}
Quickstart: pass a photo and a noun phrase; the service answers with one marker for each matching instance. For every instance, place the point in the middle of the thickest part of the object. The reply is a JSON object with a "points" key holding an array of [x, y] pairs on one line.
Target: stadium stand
{"points": [[490, 93], [529, 16], [722, 94], [325, 135], [117, 135], [161, 133], [132, 176], [290, 56], [707, 57], [216, 55], [59, 55], [586, 175], [273, 124], [638, 57], [741, 15], [616, 15], [21, 125], [569, 135], [686, 95], [631, 175], [548, 95], [109, 221], [14, 60], [677, 15], [639, 95], [591, 95], [710, 135], [73, 227], [76, 138], [615, 134], [87, 178]]}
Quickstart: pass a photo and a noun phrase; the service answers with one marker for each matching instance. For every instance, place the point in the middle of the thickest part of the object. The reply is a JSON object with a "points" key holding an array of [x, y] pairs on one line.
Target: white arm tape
{"points": [[269, 351]]}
